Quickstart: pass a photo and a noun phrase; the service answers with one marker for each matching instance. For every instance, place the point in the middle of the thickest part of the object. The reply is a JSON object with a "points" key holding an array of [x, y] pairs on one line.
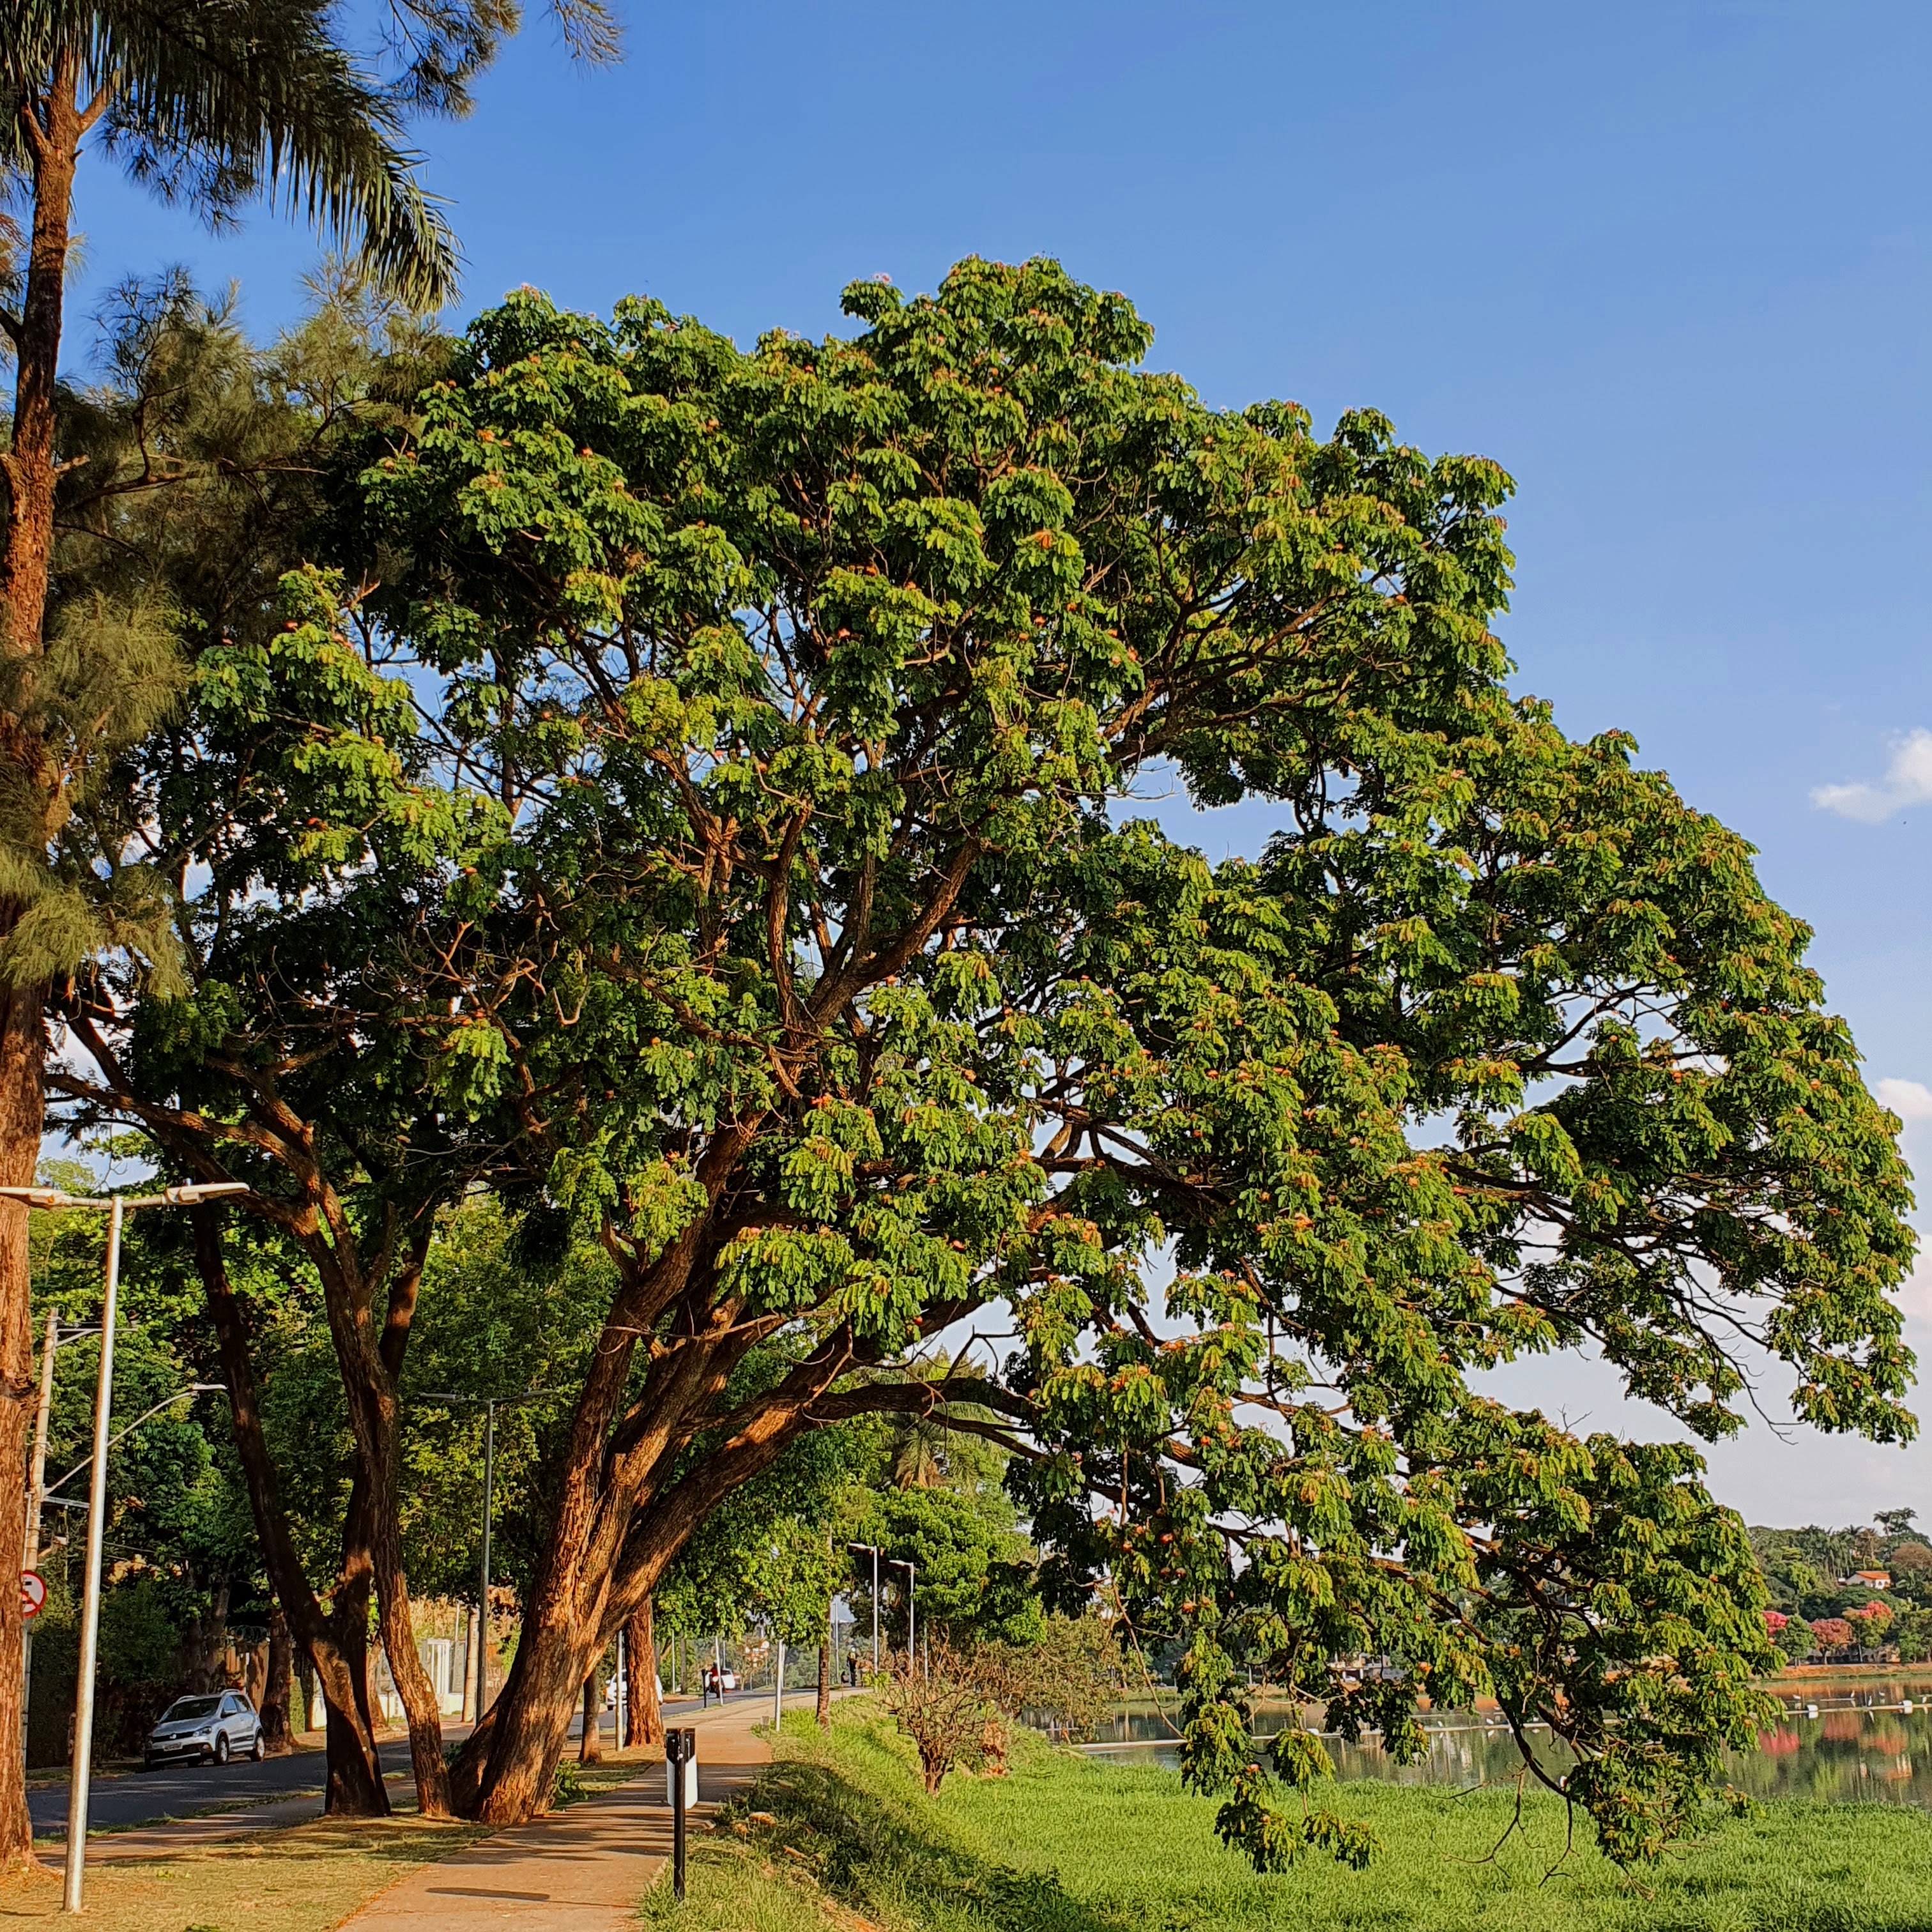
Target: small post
{"points": [[681, 1775], [777, 1685]]}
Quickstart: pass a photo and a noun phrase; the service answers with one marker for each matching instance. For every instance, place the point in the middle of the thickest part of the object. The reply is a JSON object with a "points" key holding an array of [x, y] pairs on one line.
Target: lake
{"points": [[1860, 1746]]}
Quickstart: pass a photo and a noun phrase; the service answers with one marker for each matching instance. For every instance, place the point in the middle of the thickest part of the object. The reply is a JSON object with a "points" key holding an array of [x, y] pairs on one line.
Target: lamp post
{"points": [[489, 1404], [118, 1207], [912, 1590], [875, 1548]]}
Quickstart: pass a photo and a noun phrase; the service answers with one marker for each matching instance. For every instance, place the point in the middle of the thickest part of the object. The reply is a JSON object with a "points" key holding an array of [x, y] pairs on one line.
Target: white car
{"points": [[214, 1728]]}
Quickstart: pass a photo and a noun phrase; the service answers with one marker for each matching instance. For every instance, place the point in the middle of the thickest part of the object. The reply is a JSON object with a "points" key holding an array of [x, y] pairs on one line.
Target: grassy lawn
{"points": [[304, 1879], [1066, 1845]]}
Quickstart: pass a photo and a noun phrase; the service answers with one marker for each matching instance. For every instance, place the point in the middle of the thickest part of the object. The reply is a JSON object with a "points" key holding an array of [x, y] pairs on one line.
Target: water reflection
{"points": [[1852, 1745]]}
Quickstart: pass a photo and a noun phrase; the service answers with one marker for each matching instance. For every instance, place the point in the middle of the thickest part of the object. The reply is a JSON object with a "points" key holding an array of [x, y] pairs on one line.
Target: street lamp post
{"points": [[489, 1404], [118, 1207], [912, 1591], [875, 1548]]}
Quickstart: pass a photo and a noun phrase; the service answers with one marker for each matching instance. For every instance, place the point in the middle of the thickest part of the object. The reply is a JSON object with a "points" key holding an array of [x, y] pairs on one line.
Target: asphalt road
{"points": [[136, 1798]]}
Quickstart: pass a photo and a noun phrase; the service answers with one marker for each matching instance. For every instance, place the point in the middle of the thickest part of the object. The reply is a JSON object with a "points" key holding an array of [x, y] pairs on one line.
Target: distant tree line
{"points": [[1815, 1602]]}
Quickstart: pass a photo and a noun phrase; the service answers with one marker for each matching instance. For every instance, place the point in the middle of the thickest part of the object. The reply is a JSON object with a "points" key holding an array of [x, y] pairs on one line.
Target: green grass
{"points": [[1068, 1845]]}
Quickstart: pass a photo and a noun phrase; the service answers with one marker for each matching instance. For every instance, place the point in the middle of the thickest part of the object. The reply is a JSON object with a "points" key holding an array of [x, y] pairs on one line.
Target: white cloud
{"points": [[1907, 781], [1909, 1099]]}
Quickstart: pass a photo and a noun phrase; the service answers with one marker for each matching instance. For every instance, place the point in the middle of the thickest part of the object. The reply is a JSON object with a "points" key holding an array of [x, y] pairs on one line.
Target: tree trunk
{"points": [[277, 1729], [21, 1111], [590, 1746], [824, 1683], [420, 1708], [369, 1361], [533, 1715], [336, 1643], [53, 126], [599, 1564], [355, 1788], [640, 1656]]}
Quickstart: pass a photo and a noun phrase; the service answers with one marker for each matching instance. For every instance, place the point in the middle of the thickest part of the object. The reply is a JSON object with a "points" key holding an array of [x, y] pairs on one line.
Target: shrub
{"points": [[950, 1710], [1069, 1677]]}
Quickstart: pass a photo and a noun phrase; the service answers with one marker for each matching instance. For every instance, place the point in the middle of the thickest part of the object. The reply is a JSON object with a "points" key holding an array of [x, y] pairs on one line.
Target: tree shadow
{"points": [[876, 1854]]}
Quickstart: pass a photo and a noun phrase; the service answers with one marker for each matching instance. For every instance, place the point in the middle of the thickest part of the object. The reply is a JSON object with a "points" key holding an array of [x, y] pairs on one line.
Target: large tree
{"points": [[822, 972], [213, 105], [809, 958]]}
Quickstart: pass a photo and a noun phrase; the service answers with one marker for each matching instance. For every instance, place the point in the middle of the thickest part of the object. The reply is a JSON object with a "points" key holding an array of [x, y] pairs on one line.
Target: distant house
{"points": [[1870, 1580]]}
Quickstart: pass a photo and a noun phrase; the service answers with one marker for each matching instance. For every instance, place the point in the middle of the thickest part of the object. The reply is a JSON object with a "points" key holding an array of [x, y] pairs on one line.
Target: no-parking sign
{"points": [[33, 1594]]}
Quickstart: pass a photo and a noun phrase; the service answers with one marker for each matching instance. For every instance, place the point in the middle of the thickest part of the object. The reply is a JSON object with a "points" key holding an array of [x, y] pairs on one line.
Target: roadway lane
{"points": [[135, 1798], [181, 1790]]}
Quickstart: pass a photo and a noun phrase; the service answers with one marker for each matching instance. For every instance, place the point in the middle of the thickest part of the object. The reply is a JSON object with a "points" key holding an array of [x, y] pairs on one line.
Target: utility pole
{"points": [[875, 1548], [483, 1580], [489, 1404], [118, 1208]]}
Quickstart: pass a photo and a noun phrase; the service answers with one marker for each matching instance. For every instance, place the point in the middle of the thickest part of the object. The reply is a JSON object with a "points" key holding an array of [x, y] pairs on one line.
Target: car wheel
{"points": [[255, 1750], [221, 1749]]}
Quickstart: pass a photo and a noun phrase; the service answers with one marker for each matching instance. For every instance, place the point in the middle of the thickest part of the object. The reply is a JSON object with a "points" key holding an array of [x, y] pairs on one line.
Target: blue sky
{"points": [[1671, 265]]}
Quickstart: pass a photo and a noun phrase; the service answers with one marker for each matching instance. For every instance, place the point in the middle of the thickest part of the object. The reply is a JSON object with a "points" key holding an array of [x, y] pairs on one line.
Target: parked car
{"points": [[213, 1729]]}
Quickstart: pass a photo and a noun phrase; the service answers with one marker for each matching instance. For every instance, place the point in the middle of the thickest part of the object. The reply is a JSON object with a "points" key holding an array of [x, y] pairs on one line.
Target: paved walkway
{"points": [[582, 1870]]}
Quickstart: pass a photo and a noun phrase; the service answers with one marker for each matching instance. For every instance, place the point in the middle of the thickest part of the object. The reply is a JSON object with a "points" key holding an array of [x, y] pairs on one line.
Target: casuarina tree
{"points": [[213, 106]]}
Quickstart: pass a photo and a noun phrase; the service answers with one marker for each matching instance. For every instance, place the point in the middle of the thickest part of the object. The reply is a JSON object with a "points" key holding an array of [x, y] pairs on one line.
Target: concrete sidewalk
{"points": [[582, 1870]]}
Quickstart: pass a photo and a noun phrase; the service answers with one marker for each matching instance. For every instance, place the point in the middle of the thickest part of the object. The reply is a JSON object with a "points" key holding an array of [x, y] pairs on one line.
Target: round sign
{"points": [[33, 1594]]}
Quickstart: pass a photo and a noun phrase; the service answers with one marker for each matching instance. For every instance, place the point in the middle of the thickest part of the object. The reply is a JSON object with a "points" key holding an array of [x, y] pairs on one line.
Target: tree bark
{"points": [[601, 1561], [277, 1729], [21, 1107], [355, 1788], [641, 1660], [590, 1745], [824, 1683], [369, 1359], [51, 128], [337, 1641]]}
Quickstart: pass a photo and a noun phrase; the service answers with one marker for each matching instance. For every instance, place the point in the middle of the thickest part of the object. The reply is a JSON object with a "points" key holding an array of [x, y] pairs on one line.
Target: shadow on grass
{"points": [[813, 1828]]}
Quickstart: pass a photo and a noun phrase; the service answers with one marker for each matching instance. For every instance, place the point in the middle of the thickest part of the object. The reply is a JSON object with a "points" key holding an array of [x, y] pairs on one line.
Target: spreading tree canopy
{"points": [[793, 932]]}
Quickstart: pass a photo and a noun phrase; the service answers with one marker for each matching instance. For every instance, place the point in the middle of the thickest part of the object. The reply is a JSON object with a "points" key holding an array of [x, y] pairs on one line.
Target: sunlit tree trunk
{"points": [[640, 1669]]}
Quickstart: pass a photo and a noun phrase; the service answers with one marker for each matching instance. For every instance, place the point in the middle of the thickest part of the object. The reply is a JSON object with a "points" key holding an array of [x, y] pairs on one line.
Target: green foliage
{"points": [[975, 1568], [138, 1638], [1795, 1639], [1068, 1845], [761, 900], [1067, 1674]]}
